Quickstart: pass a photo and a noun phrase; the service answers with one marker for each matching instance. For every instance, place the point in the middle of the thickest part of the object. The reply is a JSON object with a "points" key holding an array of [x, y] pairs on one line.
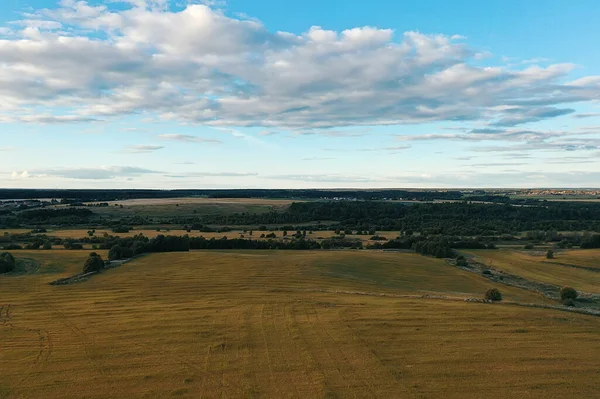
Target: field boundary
{"points": [[548, 290], [585, 311], [81, 277]]}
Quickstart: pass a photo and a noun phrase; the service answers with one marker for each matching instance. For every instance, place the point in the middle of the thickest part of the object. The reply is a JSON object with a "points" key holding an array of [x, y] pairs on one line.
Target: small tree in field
{"points": [[7, 262], [93, 263], [568, 293], [493, 295], [550, 254]]}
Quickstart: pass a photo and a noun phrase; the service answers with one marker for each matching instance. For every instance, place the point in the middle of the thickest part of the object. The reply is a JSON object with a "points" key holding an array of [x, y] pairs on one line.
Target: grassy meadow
{"points": [[283, 324]]}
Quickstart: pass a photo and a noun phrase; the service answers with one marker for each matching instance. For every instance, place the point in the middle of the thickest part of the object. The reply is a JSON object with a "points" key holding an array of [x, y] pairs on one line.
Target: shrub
{"points": [[568, 302], [13, 246], [121, 229], [568, 293], [550, 254], [528, 246], [93, 263], [47, 245], [493, 294], [7, 262]]}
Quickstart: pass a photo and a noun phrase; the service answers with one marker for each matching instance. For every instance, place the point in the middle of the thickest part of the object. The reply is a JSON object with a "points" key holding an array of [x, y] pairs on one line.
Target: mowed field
{"points": [[568, 268], [283, 324]]}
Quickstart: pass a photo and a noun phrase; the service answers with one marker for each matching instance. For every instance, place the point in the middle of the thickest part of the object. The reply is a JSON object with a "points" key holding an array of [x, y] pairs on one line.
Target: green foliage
{"points": [[118, 252], [568, 293], [47, 245], [7, 262], [121, 229], [493, 294], [528, 246], [93, 263], [550, 254]]}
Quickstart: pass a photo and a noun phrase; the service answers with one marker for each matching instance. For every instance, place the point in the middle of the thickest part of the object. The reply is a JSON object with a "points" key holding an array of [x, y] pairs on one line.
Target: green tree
{"points": [[568, 293], [7, 262], [93, 263], [493, 294]]}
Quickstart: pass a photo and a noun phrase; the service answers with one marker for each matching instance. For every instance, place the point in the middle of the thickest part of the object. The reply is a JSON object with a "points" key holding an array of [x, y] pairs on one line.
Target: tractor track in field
{"points": [[364, 374], [44, 350]]}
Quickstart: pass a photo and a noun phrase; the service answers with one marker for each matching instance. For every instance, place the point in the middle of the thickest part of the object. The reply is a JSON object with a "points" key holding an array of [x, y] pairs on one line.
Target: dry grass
{"points": [[251, 325], [558, 271]]}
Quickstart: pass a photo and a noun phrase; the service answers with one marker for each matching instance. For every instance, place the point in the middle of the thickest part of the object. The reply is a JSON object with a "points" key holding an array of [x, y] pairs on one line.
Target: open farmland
{"points": [[578, 268], [169, 207], [283, 324], [150, 233]]}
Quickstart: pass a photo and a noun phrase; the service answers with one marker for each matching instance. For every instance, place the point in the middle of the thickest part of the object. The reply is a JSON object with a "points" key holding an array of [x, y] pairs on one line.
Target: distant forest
{"points": [[120, 195], [455, 218]]}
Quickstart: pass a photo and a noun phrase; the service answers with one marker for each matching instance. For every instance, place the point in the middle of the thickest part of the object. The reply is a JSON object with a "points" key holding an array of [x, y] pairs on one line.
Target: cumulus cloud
{"points": [[195, 64]]}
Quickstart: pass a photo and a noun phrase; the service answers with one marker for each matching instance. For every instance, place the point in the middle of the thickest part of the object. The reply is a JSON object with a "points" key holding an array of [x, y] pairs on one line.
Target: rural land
{"points": [[299, 293]]}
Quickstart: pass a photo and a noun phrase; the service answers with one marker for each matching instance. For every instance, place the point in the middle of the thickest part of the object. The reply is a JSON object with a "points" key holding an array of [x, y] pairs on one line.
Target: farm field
{"points": [[179, 207], [150, 233], [564, 270], [283, 324]]}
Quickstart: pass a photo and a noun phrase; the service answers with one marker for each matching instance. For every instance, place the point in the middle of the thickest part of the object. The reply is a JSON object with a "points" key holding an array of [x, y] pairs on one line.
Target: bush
{"points": [[121, 229], [493, 294], [13, 246], [528, 246], [550, 254], [93, 263], [568, 302], [568, 293], [47, 245], [7, 262], [462, 261]]}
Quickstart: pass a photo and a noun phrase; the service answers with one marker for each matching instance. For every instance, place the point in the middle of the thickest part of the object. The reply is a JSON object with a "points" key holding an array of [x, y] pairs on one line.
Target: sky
{"points": [[299, 94]]}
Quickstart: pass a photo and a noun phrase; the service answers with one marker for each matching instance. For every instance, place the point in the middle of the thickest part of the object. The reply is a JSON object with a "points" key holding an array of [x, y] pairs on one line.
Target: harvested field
{"points": [[278, 324], [567, 268]]}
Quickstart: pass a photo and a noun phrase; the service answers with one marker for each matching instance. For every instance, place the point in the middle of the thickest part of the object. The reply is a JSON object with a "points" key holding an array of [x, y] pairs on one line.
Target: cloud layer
{"points": [[81, 62]]}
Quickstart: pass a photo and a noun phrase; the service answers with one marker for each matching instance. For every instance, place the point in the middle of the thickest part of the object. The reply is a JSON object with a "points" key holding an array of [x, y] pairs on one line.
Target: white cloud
{"points": [[143, 149], [101, 173], [187, 138], [81, 62]]}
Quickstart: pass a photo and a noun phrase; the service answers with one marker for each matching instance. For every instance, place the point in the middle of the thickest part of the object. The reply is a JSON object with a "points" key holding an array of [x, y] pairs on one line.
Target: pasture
{"points": [[323, 324], [568, 268]]}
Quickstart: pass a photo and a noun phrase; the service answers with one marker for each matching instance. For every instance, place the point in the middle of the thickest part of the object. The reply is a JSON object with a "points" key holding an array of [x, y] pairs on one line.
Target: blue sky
{"points": [[233, 94]]}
